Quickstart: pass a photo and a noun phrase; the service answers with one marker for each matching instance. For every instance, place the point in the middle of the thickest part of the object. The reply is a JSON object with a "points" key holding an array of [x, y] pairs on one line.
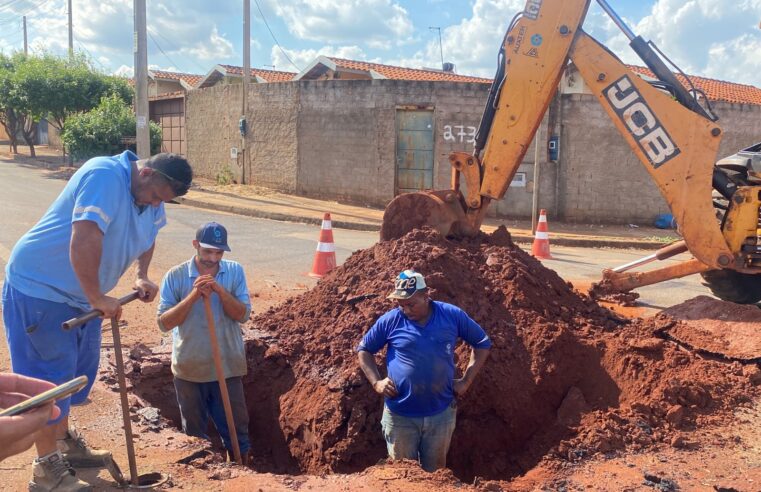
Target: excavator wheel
{"points": [[733, 286]]}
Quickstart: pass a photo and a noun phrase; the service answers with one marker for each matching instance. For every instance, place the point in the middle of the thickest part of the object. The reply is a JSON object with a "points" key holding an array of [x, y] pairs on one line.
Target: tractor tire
{"points": [[733, 286]]}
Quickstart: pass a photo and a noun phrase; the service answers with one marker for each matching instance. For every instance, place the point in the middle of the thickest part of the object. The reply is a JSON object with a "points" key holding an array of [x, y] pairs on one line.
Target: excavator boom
{"points": [[674, 137]]}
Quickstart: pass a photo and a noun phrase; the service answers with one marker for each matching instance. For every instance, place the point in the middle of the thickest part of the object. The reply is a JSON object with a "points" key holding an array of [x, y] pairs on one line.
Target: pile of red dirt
{"points": [[718, 328], [557, 356], [565, 378]]}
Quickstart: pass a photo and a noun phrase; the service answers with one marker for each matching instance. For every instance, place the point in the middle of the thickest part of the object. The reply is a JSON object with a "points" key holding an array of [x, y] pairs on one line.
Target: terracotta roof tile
{"points": [[268, 75], [715, 90], [401, 73], [189, 78]]}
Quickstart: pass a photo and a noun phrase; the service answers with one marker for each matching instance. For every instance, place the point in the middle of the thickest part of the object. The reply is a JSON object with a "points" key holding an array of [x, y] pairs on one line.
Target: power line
{"points": [[176, 48], [273, 36], [162, 51], [19, 15]]}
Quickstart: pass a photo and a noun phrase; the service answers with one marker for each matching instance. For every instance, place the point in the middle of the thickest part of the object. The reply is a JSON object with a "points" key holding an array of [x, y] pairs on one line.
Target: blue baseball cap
{"points": [[407, 284], [212, 235]]}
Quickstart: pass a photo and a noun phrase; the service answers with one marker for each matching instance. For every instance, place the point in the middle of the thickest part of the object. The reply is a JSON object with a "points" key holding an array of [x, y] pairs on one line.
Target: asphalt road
{"points": [[277, 255]]}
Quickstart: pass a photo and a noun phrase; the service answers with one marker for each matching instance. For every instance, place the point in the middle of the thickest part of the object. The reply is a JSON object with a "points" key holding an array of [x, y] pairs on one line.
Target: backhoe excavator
{"points": [[672, 132]]}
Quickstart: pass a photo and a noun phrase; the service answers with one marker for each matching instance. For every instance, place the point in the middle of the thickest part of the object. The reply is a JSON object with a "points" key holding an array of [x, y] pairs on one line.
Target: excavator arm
{"points": [[674, 137]]}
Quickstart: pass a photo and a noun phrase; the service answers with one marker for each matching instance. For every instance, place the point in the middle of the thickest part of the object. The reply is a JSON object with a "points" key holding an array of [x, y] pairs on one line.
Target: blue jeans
{"points": [[424, 439], [40, 348], [198, 401]]}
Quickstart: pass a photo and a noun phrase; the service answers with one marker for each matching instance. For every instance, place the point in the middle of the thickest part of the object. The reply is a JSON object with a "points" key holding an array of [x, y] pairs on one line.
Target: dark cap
{"points": [[174, 168], [212, 235]]}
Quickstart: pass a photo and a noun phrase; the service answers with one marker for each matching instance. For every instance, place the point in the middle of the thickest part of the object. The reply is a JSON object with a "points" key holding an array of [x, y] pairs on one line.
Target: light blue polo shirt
{"points": [[192, 358], [99, 191]]}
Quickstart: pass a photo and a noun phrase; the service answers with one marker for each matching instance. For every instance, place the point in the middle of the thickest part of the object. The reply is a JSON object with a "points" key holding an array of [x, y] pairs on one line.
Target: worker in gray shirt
{"points": [[182, 311]]}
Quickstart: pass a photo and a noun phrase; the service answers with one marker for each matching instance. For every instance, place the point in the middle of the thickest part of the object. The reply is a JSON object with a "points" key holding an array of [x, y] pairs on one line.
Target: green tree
{"points": [[8, 114], [106, 130], [46, 86]]}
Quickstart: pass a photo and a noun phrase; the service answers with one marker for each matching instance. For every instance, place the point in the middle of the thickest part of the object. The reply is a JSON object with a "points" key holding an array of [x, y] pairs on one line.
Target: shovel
{"points": [[221, 380], [149, 480]]}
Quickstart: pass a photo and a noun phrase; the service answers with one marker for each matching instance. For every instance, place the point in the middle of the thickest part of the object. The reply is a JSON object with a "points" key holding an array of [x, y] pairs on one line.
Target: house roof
{"points": [[380, 71], [258, 74], [187, 80], [715, 90]]}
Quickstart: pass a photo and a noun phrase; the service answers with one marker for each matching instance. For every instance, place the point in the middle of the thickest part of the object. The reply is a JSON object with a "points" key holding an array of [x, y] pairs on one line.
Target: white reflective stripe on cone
{"points": [[326, 247], [326, 224], [542, 218], [542, 235]]}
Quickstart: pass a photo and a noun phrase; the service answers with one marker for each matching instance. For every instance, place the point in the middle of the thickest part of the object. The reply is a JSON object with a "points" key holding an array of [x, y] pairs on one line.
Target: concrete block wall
{"points": [[337, 140], [211, 127], [272, 139], [741, 124]]}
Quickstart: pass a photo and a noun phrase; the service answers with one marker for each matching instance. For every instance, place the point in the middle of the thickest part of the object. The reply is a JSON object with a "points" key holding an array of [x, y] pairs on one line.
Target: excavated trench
{"points": [[565, 378]]}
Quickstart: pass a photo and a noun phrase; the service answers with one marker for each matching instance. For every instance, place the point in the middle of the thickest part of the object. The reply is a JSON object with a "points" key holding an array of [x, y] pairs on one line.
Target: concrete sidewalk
{"points": [[266, 204]]}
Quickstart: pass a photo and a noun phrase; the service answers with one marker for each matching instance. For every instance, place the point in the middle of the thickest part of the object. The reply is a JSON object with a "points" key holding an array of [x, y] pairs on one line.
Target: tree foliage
{"points": [[106, 130], [46, 86]]}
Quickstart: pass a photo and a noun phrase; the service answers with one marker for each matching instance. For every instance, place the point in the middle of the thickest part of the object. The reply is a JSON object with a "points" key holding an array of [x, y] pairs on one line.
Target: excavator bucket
{"points": [[440, 210]]}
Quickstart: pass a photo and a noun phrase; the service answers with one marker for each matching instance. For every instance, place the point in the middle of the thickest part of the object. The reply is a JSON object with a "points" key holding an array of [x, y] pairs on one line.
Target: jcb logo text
{"points": [[640, 121]]}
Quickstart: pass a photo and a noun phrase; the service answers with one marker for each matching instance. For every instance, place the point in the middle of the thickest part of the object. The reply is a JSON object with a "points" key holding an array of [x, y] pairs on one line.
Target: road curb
{"points": [[260, 214], [582, 242]]}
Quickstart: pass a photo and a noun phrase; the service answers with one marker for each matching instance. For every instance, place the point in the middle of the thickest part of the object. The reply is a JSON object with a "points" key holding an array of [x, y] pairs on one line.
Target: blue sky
{"points": [[704, 37]]}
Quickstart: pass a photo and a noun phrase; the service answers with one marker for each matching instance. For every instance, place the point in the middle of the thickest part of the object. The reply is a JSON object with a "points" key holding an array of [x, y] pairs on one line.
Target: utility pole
{"points": [[246, 79], [141, 81], [26, 50], [535, 191], [441, 50], [71, 33]]}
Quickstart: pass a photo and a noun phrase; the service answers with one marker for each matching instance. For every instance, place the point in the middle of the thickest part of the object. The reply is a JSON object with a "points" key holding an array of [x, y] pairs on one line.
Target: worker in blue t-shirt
{"points": [[105, 219], [420, 407]]}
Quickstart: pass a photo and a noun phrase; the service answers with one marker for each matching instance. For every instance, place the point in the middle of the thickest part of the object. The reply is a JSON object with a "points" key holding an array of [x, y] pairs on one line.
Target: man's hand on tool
{"points": [[147, 289], [109, 306], [205, 285], [18, 433]]}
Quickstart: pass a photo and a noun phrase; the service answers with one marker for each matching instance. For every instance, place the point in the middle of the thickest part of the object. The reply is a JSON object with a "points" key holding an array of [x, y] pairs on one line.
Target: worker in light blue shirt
{"points": [[106, 218], [181, 310], [420, 408]]}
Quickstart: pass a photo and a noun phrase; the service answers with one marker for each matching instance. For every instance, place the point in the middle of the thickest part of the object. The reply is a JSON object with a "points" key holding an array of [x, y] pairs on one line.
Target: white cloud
{"points": [[380, 24], [214, 48], [703, 37], [125, 71], [302, 58], [473, 44]]}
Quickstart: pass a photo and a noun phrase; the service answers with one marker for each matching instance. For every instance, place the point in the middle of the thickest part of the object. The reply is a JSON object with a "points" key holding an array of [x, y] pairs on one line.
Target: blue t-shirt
{"points": [[192, 358], [99, 191], [420, 359]]}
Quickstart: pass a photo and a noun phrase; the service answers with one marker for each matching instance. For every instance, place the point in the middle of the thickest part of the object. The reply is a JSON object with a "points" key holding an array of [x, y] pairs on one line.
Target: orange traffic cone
{"points": [[541, 247], [325, 257]]}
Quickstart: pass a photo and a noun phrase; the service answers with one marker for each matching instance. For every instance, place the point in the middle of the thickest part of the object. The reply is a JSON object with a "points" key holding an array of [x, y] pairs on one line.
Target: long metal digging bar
{"points": [[80, 320], [72, 323], [221, 380]]}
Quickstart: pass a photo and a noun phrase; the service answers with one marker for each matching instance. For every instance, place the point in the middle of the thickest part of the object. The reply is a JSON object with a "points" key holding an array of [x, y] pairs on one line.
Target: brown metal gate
{"points": [[169, 113]]}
